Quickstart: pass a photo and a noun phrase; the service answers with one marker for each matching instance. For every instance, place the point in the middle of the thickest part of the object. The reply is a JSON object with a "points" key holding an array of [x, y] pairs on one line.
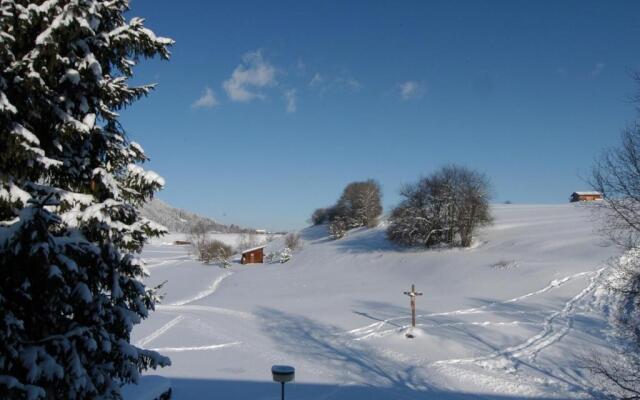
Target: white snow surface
{"points": [[337, 313]]}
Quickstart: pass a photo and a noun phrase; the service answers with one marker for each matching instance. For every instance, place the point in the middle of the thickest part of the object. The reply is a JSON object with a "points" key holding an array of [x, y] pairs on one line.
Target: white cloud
{"points": [[253, 73], [291, 100], [597, 69], [411, 90], [207, 100]]}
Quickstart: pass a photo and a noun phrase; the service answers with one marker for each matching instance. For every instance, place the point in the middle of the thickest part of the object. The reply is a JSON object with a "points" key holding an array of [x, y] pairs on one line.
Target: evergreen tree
{"points": [[70, 189]]}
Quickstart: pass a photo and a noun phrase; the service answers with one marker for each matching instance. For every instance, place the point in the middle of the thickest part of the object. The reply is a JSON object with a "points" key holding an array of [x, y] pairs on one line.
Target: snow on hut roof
{"points": [[253, 249], [592, 193]]}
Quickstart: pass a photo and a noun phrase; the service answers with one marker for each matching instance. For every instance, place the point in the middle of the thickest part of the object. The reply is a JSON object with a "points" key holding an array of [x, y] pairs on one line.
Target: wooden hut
{"points": [[585, 196], [253, 256]]}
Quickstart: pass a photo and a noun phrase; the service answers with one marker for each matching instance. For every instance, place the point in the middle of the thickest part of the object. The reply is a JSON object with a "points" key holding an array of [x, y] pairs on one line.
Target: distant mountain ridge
{"points": [[178, 220]]}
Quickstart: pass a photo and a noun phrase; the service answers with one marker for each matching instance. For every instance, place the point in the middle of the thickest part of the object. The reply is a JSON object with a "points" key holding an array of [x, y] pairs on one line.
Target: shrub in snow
{"points": [[269, 257], [70, 191], [337, 228], [292, 240], [214, 251], [445, 207], [279, 256], [285, 255]]}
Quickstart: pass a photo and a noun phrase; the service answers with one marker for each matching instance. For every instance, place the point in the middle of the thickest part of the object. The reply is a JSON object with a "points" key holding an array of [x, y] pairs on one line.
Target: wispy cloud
{"points": [[317, 80], [291, 100], [207, 100], [252, 74], [349, 83], [411, 90], [597, 69], [341, 83]]}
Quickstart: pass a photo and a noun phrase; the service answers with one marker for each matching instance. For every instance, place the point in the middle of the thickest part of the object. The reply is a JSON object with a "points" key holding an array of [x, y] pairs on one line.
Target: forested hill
{"points": [[178, 220]]}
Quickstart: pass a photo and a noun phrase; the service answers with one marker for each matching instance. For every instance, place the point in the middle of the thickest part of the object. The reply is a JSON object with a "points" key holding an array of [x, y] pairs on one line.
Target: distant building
{"points": [[585, 196], [253, 256], [261, 231]]}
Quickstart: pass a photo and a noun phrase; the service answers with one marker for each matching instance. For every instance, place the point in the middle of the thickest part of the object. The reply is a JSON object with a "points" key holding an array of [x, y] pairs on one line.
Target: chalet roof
{"points": [[592, 193], [253, 249]]}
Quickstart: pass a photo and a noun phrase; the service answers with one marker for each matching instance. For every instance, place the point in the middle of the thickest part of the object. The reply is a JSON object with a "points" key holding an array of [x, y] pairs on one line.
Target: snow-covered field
{"points": [[508, 318]]}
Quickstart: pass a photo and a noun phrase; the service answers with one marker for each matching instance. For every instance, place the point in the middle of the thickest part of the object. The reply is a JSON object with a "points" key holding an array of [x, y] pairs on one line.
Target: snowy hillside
{"points": [[508, 318], [177, 220]]}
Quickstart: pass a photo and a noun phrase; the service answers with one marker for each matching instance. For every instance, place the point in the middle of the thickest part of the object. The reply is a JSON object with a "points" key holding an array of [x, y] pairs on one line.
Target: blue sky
{"points": [[268, 109]]}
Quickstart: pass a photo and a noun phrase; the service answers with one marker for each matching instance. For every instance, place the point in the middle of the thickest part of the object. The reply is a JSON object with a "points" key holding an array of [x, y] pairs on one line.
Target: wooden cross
{"points": [[412, 294]]}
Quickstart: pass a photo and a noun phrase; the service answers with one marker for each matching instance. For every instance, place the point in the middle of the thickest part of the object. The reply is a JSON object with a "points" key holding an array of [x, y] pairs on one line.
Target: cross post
{"points": [[412, 294]]}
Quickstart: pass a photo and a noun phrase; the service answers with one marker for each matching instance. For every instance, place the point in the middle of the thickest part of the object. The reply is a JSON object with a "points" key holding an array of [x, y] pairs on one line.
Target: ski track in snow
{"points": [[209, 309], [154, 335], [205, 293], [184, 306], [508, 359], [445, 325], [549, 335], [373, 330], [196, 348], [159, 263]]}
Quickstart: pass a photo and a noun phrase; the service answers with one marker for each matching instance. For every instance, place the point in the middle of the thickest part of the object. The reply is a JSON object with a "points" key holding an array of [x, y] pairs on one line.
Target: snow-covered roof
{"points": [[592, 193], [253, 249]]}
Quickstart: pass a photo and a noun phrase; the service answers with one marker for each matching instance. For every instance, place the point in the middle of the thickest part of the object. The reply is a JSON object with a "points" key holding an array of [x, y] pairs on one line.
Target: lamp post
{"points": [[283, 374]]}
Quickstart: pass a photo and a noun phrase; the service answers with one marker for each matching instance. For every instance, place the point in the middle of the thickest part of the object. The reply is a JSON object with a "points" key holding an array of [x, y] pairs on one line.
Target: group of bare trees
{"points": [[445, 207], [359, 205], [206, 249], [212, 251], [616, 174]]}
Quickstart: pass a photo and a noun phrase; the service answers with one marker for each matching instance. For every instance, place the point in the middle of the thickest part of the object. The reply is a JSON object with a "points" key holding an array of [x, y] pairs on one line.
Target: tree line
{"points": [[444, 208]]}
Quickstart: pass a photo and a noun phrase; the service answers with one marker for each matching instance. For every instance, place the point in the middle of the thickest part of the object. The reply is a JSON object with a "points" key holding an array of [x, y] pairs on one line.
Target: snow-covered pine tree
{"points": [[70, 189]]}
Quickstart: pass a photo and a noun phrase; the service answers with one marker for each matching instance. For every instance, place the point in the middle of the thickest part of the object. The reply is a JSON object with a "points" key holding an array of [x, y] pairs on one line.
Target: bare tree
{"points": [[618, 375], [247, 241], [445, 207], [320, 216], [197, 237], [360, 203], [616, 174], [206, 249], [292, 241]]}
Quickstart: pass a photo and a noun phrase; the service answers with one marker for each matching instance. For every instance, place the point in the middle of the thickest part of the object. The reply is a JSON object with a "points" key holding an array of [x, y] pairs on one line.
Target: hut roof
{"points": [[253, 249], [592, 193]]}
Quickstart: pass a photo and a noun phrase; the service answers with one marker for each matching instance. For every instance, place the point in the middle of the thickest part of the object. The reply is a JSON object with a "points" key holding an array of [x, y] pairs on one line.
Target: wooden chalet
{"points": [[585, 196], [253, 256]]}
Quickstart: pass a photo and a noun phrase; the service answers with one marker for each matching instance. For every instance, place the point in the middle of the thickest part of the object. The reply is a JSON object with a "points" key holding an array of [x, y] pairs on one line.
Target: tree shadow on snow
{"points": [[315, 232], [365, 371], [364, 240], [204, 389]]}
